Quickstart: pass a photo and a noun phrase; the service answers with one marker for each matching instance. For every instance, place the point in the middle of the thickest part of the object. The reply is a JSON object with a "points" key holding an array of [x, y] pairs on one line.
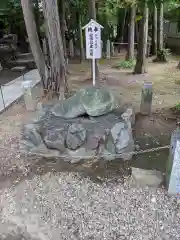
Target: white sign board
{"points": [[93, 43], [93, 40]]}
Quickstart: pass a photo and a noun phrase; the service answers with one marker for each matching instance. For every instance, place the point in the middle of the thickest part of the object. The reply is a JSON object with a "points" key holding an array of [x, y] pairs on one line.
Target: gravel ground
{"points": [[65, 205]]}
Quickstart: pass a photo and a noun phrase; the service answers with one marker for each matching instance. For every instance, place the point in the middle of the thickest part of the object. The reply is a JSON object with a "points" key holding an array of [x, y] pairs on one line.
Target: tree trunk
{"points": [[142, 44], [34, 41], [56, 51], [92, 15], [82, 54], [146, 35], [63, 26], [154, 30], [122, 31], [160, 26], [131, 34], [137, 32], [178, 66], [37, 19]]}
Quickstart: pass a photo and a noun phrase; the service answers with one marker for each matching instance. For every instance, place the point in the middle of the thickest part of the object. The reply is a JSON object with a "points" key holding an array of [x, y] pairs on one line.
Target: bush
{"points": [[177, 107], [125, 64]]}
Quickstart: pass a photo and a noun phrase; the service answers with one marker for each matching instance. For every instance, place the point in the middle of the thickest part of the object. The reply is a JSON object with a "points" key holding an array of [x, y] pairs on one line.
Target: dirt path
{"points": [[165, 79]]}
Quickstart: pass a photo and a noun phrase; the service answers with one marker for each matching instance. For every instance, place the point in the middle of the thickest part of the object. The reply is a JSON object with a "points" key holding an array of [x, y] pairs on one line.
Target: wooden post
{"points": [[146, 99]]}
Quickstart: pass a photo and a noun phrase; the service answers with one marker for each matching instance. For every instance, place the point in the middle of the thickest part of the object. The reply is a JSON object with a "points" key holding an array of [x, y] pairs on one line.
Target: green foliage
{"points": [[125, 64], [162, 55], [177, 107]]}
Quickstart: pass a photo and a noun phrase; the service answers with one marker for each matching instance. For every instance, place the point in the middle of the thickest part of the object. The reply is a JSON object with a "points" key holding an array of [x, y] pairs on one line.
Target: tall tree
{"points": [[122, 29], [34, 41], [82, 54], [56, 50], [131, 33], [140, 66], [154, 29], [63, 25], [92, 15], [160, 22]]}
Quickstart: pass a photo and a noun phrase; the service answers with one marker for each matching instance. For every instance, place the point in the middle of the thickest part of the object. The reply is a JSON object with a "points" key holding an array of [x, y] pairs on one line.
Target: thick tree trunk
{"points": [[82, 54], [142, 44], [137, 32], [131, 34], [34, 41], [63, 26], [92, 15], [122, 30], [154, 30], [56, 51], [160, 26]]}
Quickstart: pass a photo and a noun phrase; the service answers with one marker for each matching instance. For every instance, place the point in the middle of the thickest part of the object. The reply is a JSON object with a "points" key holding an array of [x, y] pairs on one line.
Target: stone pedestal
{"points": [[173, 165], [108, 49], [28, 95], [146, 99]]}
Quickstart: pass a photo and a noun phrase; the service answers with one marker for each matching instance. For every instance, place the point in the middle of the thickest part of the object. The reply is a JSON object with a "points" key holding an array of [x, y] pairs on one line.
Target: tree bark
{"points": [[34, 41], [122, 31], [37, 19], [137, 32], [154, 30], [160, 26], [92, 15], [82, 54], [131, 34], [56, 51], [146, 35], [63, 26], [142, 44], [178, 66]]}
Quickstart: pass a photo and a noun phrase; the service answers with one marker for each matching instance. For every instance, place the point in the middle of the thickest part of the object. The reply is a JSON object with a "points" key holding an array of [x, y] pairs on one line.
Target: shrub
{"points": [[125, 64], [162, 55]]}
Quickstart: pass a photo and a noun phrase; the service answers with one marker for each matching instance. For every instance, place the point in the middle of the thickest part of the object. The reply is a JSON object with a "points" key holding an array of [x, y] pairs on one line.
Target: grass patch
{"points": [[125, 64], [176, 109]]}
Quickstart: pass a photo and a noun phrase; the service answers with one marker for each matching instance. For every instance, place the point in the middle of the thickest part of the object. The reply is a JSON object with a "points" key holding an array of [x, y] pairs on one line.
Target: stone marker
{"points": [[71, 49], [144, 177], [112, 49], [108, 49], [28, 95], [146, 99], [173, 165]]}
